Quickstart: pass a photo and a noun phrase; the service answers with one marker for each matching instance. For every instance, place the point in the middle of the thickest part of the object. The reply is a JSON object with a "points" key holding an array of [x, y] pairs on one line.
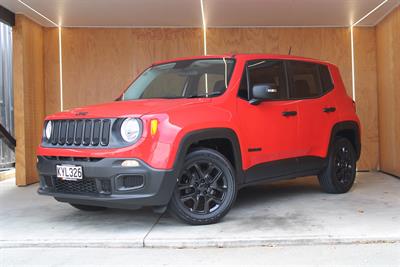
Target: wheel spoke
{"points": [[198, 170], [190, 196], [218, 188], [184, 186], [207, 201], [216, 177], [196, 202], [216, 200], [209, 169]]}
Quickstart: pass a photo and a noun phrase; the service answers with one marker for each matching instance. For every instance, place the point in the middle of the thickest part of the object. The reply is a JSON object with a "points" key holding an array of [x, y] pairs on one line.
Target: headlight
{"points": [[48, 129], [131, 130]]}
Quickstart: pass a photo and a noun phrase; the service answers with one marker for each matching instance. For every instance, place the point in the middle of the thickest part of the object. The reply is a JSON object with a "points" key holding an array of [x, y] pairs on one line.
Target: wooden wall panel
{"points": [[367, 96], [99, 63], [51, 70], [28, 96], [331, 44], [388, 64]]}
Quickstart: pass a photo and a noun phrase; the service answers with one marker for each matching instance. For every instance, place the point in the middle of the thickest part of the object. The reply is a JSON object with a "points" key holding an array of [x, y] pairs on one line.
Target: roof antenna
{"points": [[290, 50]]}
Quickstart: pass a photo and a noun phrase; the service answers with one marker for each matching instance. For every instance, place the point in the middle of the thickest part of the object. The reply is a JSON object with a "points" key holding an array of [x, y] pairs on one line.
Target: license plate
{"points": [[69, 172]]}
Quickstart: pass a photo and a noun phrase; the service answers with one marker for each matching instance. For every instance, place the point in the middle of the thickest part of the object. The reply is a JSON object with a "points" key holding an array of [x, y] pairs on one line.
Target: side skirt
{"points": [[284, 169]]}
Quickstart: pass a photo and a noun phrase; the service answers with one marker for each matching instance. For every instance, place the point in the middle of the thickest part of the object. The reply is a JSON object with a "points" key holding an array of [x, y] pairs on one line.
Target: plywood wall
{"points": [[51, 70], [367, 95], [28, 96], [99, 63], [331, 44], [388, 64]]}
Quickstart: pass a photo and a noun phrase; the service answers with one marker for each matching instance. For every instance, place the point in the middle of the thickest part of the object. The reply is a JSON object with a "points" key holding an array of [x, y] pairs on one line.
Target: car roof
{"points": [[246, 57]]}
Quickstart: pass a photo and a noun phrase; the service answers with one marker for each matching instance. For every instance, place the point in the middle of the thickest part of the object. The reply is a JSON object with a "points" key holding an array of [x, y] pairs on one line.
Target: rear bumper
{"points": [[106, 183]]}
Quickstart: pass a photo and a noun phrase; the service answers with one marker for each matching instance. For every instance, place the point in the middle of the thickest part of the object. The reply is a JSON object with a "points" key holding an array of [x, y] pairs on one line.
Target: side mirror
{"points": [[265, 91]]}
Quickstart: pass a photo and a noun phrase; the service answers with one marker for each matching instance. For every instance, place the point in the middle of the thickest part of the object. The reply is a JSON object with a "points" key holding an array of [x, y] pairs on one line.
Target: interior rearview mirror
{"points": [[264, 91]]}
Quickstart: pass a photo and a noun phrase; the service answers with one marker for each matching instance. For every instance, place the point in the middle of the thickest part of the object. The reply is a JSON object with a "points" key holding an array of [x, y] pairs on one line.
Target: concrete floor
{"points": [[319, 255], [293, 212]]}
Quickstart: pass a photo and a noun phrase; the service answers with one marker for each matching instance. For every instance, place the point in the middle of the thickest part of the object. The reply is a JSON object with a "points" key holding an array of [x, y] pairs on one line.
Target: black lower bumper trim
{"points": [[106, 183]]}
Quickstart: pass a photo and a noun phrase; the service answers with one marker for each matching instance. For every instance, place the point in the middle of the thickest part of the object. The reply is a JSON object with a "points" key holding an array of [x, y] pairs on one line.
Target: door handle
{"points": [[329, 109], [289, 113]]}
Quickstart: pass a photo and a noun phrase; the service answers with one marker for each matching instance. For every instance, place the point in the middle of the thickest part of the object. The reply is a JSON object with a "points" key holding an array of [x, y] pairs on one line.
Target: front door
{"points": [[269, 127]]}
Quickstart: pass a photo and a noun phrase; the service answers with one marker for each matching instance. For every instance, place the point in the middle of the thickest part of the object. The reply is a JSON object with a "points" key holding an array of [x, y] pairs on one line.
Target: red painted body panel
{"points": [[261, 126]]}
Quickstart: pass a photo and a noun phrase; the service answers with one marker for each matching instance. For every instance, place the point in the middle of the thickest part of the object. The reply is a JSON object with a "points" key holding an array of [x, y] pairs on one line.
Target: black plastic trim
{"points": [[206, 134], [285, 169], [156, 191], [347, 125]]}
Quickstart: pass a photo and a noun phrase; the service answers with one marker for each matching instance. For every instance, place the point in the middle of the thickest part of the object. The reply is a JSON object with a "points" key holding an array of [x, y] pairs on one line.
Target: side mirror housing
{"points": [[264, 91]]}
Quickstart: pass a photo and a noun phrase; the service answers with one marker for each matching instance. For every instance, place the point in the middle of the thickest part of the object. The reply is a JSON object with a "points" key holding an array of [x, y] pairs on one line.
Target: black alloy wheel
{"points": [[202, 187], [339, 175], [206, 188]]}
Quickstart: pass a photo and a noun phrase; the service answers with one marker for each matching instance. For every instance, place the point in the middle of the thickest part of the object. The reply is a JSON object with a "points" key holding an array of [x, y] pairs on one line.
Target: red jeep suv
{"points": [[188, 133]]}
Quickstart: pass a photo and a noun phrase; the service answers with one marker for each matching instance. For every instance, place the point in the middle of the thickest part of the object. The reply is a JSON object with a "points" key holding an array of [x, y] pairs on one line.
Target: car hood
{"points": [[130, 108]]}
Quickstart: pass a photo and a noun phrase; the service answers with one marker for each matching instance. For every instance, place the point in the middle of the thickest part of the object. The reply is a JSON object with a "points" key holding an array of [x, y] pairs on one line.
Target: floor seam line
{"points": [[151, 229]]}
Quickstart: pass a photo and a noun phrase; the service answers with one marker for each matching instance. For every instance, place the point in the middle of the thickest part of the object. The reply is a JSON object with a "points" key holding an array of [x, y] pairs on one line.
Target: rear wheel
{"points": [[87, 208], [206, 188], [339, 175]]}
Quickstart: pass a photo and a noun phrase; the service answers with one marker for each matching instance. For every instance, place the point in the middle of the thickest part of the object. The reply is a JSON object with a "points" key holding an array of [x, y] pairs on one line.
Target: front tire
{"points": [[206, 188], [339, 175]]}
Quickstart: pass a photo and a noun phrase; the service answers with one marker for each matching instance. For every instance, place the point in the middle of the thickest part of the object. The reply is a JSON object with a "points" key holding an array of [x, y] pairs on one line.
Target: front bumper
{"points": [[106, 183]]}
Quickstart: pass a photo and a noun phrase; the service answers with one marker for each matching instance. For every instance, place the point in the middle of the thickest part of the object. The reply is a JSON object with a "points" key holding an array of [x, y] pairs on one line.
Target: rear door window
{"points": [[304, 79]]}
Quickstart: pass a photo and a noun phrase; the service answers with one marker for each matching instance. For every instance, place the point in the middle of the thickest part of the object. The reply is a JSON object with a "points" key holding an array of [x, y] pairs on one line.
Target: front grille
{"points": [[81, 132], [86, 185]]}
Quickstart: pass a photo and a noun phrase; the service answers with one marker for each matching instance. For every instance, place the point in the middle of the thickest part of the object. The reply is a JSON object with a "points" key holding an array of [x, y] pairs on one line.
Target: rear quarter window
{"points": [[326, 78]]}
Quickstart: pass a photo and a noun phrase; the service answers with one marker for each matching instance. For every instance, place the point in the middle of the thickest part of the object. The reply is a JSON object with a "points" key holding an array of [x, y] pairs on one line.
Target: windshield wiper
{"points": [[206, 95]]}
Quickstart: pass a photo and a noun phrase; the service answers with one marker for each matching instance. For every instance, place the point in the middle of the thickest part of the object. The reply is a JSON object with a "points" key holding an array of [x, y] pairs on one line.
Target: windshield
{"points": [[182, 79]]}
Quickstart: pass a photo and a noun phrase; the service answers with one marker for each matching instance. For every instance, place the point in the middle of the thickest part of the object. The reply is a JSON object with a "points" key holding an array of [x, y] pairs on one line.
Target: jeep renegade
{"points": [[188, 133]]}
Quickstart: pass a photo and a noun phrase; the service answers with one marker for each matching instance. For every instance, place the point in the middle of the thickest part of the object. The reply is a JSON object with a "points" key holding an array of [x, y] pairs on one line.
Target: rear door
{"points": [[311, 86]]}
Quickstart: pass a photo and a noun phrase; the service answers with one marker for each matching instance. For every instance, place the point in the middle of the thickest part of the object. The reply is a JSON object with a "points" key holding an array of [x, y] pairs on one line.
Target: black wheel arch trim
{"points": [[207, 134], [348, 125]]}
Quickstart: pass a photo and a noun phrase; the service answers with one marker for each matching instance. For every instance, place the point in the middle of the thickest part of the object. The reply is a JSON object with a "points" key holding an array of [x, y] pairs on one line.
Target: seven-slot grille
{"points": [[85, 132]]}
